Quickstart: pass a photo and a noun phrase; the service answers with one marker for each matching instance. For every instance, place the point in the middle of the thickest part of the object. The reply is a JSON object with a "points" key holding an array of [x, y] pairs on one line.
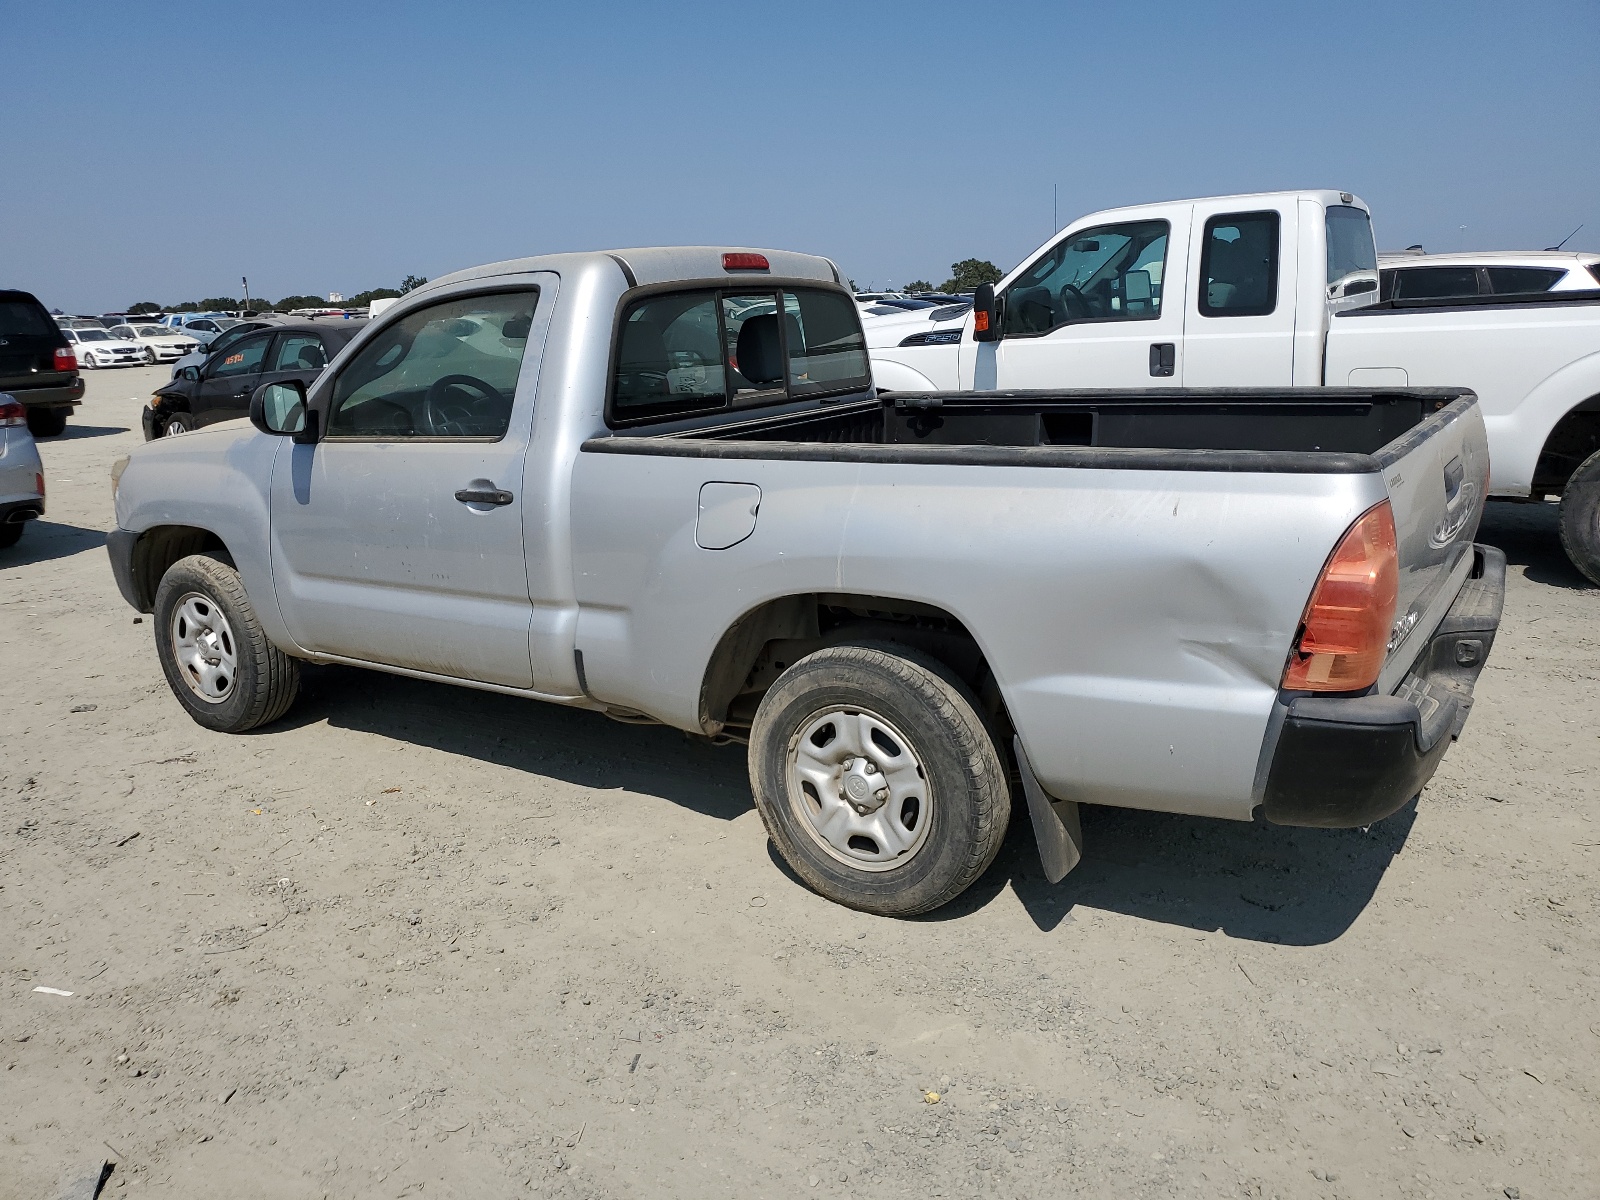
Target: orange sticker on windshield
{"points": [[232, 358]]}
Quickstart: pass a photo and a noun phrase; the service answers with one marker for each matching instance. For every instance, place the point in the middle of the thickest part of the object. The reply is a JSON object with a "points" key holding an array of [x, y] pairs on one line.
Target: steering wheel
{"points": [[452, 420], [1072, 297]]}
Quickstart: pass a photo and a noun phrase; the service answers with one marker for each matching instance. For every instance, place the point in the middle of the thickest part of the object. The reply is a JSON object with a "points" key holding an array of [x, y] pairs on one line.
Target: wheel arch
{"points": [[1570, 441], [770, 637], [158, 547]]}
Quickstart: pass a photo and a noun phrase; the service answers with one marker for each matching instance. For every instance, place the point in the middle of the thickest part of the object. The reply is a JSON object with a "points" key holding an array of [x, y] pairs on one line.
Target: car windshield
{"points": [[152, 331], [92, 335], [225, 322]]}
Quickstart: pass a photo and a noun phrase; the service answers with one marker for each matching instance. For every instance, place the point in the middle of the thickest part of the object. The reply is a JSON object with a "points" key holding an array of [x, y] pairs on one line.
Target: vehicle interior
{"points": [[1110, 273], [445, 371]]}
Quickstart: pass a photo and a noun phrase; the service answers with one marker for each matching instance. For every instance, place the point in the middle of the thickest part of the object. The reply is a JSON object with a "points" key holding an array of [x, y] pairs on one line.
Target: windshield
{"points": [[226, 322], [1352, 254], [92, 335]]}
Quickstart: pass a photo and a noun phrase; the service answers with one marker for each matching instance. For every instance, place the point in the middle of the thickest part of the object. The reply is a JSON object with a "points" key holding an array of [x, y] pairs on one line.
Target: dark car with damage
{"points": [[219, 388]]}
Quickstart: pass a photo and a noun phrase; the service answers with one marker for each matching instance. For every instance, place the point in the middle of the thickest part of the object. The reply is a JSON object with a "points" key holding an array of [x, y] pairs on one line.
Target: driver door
{"points": [[397, 539], [1102, 308], [226, 381]]}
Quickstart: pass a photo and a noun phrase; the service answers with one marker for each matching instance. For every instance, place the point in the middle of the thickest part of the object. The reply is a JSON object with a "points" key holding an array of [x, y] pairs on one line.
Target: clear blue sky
{"points": [[159, 152]]}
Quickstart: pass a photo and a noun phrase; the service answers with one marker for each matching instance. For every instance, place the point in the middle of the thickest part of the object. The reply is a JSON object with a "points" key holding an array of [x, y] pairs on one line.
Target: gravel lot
{"points": [[419, 941]]}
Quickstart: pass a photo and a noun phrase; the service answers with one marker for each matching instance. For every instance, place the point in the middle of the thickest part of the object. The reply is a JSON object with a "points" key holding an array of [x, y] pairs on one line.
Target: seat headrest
{"points": [[311, 358], [759, 350]]}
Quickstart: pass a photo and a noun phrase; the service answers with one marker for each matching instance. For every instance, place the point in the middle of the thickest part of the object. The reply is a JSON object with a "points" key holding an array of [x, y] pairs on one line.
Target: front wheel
{"points": [[218, 661], [86, 362], [1580, 518], [178, 422], [149, 356], [878, 779]]}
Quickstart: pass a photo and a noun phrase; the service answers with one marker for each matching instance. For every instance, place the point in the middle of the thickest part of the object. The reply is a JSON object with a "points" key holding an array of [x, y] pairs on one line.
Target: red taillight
{"points": [[66, 360], [1344, 635], [745, 262], [38, 482], [12, 413]]}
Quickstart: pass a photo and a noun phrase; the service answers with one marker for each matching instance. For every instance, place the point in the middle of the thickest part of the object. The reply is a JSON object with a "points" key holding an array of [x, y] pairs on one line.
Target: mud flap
{"points": [[1055, 824]]}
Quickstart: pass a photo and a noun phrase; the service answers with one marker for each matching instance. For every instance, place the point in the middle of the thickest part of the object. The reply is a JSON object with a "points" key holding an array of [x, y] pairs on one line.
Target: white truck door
{"points": [[1102, 307], [397, 539], [1238, 326]]}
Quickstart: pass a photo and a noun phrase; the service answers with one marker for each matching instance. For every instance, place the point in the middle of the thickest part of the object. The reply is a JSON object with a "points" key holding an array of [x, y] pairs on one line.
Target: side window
{"points": [[204, 326], [1112, 273], [827, 352], [445, 371], [669, 357], [1435, 282], [1507, 280], [298, 352], [241, 359], [1239, 265]]}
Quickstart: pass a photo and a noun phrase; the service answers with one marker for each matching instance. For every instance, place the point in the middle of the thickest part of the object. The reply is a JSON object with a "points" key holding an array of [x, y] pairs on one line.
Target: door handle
{"points": [[484, 496], [1163, 359]]}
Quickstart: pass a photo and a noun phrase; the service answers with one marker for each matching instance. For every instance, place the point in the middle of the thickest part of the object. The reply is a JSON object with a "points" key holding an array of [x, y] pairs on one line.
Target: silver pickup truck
{"points": [[660, 484]]}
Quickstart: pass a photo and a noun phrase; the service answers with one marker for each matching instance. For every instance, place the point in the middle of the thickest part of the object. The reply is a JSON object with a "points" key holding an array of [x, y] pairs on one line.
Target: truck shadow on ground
{"points": [[73, 432], [1258, 882], [570, 744], [45, 540], [1530, 535]]}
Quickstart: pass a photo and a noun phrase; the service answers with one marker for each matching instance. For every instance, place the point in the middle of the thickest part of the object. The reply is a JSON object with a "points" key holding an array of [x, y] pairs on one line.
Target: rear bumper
{"points": [[13, 512], [62, 396], [1343, 762]]}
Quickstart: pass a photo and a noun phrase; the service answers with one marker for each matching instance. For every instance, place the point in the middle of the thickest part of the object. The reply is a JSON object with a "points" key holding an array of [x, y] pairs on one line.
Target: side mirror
{"points": [[988, 311], [279, 408], [191, 373]]}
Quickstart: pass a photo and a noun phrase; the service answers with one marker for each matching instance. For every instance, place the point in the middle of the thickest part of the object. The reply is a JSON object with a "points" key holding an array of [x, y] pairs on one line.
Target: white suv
{"points": [[1487, 273]]}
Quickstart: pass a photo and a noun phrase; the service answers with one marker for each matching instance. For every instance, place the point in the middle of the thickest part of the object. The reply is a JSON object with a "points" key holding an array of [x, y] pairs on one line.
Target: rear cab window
{"points": [[1411, 283], [702, 350], [1352, 252]]}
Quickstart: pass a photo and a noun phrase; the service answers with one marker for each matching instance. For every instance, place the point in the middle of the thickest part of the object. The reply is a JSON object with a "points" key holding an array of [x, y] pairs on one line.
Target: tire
{"points": [[86, 362], [47, 422], [1580, 518], [207, 633], [149, 356], [948, 826], [177, 423], [11, 534]]}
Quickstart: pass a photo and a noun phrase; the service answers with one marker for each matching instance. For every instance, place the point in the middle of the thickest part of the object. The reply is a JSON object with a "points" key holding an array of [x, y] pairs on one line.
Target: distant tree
{"points": [[219, 304], [411, 283], [288, 303], [919, 285], [362, 299], [853, 286], [971, 273], [145, 306]]}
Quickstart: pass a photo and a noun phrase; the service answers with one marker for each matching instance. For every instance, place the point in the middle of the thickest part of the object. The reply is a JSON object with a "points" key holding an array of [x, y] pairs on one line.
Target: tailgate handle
{"points": [[1454, 473], [1163, 359]]}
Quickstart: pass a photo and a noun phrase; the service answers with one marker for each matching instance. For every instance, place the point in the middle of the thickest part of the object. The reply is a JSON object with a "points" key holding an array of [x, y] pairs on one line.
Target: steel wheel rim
{"points": [[857, 787], [174, 428], [204, 648]]}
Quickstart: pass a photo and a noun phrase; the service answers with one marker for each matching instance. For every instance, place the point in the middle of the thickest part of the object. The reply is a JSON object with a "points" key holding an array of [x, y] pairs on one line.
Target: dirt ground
{"points": [[421, 941]]}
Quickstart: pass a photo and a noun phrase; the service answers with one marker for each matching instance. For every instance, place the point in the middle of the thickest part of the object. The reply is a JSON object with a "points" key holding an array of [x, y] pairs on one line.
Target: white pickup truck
{"points": [[1272, 290]]}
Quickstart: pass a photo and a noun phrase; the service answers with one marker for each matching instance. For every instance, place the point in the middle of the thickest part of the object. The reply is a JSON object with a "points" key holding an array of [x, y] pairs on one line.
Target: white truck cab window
{"points": [[1111, 273], [1352, 253], [1239, 265]]}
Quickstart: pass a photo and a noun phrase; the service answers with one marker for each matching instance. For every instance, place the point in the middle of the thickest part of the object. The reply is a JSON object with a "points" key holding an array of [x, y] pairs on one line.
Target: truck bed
{"points": [[1334, 430]]}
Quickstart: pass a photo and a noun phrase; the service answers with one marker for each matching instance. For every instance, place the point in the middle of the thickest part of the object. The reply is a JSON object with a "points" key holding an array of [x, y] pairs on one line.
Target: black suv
{"points": [[240, 361], [37, 365]]}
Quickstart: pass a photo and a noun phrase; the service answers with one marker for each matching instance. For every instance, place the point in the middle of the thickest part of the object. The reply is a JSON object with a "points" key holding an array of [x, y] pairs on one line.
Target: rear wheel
{"points": [[1580, 518], [47, 422], [11, 533], [878, 779], [218, 661]]}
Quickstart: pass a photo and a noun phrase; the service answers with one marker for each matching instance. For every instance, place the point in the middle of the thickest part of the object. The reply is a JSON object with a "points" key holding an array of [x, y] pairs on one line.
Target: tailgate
{"points": [[1436, 476]]}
